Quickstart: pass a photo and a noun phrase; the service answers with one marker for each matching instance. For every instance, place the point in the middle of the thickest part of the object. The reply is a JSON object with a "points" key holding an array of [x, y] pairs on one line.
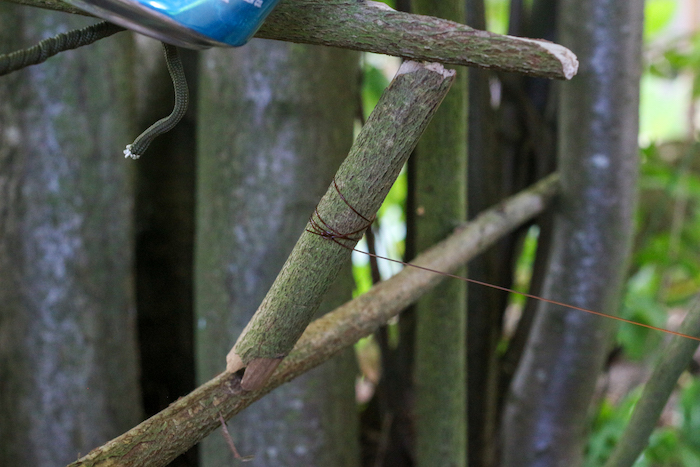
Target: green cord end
{"points": [[128, 153]]}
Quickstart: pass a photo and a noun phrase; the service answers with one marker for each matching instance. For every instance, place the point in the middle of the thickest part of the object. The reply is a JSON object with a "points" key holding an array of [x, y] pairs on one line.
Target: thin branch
{"points": [[161, 438], [374, 27], [672, 362]]}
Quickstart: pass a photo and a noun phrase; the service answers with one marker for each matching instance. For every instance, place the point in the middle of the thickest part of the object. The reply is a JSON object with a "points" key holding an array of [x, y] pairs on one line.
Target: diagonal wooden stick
{"points": [[358, 189], [161, 438]]}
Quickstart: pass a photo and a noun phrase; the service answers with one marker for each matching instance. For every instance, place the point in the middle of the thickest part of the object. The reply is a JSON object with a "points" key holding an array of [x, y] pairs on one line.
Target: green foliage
{"points": [[690, 411], [657, 15], [665, 275], [497, 16], [523, 266], [681, 54], [607, 428], [669, 220], [361, 272], [672, 446], [641, 305], [669, 446], [390, 225], [373, 84]]}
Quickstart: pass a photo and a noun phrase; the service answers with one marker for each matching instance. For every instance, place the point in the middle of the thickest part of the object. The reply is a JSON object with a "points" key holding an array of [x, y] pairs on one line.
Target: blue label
{"points": [[230, 21]]}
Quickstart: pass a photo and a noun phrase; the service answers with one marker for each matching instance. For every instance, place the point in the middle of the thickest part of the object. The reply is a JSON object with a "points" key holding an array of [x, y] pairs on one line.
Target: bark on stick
{"points": [[161, 438], [360, 186], [668, 368], [374, 27]]}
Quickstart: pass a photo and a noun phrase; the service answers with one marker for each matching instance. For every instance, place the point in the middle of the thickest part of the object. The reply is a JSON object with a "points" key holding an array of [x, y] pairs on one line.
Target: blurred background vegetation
{"points": [[664, 273]]}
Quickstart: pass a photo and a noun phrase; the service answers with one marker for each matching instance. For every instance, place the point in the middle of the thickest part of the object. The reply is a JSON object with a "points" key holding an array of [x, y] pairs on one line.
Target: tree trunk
{"points": [[68, 364], [275, 122], [510, 147], [546, 414], [485, 306], [439, 178]]}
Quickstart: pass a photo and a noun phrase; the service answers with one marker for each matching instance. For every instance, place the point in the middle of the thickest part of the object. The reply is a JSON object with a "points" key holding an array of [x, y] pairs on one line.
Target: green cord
{"points": [[53, 45], [79, 37], [177, 73]]}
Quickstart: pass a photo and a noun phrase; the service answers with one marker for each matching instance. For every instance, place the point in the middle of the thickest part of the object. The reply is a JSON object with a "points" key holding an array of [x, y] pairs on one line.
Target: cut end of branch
{"points": [[234, 362], [410, 66], [568, 60], [258, 371]]}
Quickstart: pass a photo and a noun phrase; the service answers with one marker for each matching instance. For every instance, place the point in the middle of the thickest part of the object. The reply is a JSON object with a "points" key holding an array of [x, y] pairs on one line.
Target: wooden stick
{"points": [[672, 362], [358, 189], [374, 27], [161, 438]]}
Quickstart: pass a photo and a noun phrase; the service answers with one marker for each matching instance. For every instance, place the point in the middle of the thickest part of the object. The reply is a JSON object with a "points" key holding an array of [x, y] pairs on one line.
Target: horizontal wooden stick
{"points": [[374, 27], [161, 438]]}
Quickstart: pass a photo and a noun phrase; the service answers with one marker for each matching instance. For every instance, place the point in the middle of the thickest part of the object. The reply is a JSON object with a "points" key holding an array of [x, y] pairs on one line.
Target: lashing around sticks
{"points": [[321, 228]]}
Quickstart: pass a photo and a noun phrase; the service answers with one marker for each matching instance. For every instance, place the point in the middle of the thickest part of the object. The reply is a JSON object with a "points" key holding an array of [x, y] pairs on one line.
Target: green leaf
{"points": [[657, 15]]}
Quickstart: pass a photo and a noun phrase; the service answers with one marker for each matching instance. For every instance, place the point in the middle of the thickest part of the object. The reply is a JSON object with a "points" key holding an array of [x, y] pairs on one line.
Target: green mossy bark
{"points": [[374, 27], [158, 440], [438, 185], [364, 179]]}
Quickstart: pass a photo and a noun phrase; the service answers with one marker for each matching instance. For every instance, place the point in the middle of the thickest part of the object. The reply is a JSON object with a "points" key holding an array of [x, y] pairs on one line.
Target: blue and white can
{"points": [[195, 24]]}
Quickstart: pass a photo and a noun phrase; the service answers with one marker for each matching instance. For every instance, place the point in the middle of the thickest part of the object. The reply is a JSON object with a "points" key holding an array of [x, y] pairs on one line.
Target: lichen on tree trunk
{"points": [[546, 413], [68, 364]]}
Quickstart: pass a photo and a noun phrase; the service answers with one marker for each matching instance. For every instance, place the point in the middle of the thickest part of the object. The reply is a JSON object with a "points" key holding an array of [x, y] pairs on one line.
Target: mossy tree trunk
{"points": [[275, 122], [68, 366], [438, 179]]}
